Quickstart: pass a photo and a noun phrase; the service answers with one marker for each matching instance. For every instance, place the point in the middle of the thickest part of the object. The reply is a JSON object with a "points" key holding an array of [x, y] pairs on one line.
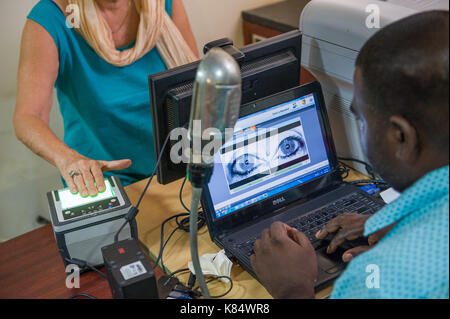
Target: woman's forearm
{"points": [[39, 138]]}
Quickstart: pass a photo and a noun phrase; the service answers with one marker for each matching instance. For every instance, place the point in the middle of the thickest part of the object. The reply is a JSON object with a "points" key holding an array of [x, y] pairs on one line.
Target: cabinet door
{"points": [[255, 33]]}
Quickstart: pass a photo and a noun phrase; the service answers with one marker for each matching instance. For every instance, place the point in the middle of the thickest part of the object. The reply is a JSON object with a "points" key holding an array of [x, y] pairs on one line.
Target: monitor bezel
{"points": [[224, 224]]}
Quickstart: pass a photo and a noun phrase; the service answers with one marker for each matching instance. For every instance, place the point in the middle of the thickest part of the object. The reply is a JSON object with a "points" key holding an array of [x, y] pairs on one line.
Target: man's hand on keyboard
{"points": [[346, 227], [285, 262]]}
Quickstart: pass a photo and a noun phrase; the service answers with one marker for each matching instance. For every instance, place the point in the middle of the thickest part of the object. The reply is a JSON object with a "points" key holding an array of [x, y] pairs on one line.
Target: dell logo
{"points": [[278, 201]]}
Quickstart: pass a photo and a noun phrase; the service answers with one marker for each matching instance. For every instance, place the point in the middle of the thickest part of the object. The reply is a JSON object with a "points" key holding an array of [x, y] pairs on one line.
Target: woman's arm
{"points": [[181, 20], [38, 70]]}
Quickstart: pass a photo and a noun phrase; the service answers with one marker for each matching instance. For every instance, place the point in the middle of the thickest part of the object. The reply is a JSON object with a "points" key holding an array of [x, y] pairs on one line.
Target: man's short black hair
{"points": [[405, 71]]}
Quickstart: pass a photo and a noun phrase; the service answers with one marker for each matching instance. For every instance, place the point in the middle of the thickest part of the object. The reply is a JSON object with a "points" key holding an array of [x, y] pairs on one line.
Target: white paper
{"points": [[389, 195], [214, 264]]}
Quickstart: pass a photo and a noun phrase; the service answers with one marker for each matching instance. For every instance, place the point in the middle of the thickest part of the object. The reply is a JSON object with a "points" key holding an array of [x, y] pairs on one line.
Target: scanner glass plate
{"points": [[69, 200]]}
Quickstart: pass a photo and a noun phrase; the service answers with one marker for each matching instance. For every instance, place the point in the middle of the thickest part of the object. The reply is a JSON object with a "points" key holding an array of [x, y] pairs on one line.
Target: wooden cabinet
{"points": [[272, 20]]}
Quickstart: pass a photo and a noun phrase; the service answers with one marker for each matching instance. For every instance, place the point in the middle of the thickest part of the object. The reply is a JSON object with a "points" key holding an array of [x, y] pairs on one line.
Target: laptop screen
{"points": [[271, 151]]}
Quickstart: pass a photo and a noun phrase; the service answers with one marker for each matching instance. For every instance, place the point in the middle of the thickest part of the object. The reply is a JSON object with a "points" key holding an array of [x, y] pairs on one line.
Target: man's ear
{"points": [[405, 139]]}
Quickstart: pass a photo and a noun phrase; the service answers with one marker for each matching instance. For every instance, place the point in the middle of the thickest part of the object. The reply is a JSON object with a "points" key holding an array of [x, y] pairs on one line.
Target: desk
{"points": [[162, 202], [31, 267]]}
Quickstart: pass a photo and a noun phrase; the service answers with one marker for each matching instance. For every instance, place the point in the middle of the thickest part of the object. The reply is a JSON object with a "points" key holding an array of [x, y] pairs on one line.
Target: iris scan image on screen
{"points": [[262, 153], [271, 151]]}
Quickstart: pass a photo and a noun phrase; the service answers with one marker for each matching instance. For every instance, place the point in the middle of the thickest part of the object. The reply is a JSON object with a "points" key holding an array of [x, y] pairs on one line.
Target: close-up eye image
{"points": [[245, 166], [291, 147]]}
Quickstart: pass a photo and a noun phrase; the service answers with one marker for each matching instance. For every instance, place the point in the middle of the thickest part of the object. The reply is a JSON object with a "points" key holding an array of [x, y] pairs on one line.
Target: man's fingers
{"points": [[377, 236], [336, 242], [330, 228], [257, 246], [278, 231], [265, 237], [253, 262], [341, 236], [299, 237], [115, 165], [352, 253], [98, 177]]}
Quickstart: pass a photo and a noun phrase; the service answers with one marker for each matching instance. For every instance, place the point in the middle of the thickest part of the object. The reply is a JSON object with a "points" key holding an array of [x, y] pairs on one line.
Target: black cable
{"points": [[181, 195], [84, 264], [195, 290], [82, 295], [370, 181], [184, 223], [174, 273], [216, 278], [368, 167], [134, 209], [154, 171], [116, 236], [162, 236], [164, 246], [343, 169]]}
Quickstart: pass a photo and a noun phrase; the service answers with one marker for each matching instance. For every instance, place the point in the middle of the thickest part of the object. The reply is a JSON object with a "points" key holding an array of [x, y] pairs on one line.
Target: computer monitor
{"points": [[267, 67]]}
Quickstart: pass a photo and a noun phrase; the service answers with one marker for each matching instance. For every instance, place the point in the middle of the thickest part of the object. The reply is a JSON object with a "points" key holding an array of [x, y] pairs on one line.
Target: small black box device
{"points": [[129, 272]]}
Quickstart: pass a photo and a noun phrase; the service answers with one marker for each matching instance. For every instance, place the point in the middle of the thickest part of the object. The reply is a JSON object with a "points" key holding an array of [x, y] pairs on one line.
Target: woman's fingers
{"points": [[88, 179], [69, 181], [115, 165], [79, 181], [98, 177]]}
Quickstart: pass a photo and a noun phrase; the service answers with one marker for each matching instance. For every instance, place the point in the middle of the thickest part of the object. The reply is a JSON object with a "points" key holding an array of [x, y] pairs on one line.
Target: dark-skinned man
{"points": [[401, 100]]}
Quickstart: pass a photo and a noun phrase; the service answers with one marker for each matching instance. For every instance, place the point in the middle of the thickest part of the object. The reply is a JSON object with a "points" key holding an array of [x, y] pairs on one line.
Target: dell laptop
{"points": [[280, 165]]}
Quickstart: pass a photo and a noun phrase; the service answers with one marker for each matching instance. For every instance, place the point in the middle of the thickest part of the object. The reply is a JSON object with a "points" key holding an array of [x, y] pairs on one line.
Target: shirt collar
{"points": [[426, 190]]}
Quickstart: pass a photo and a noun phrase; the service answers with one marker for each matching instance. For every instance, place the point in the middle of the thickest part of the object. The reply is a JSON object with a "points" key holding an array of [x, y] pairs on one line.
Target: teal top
{"points": [[106, 109], [412, 260]]}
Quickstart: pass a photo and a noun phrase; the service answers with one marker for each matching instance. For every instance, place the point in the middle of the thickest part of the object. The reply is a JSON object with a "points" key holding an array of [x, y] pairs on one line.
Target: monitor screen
{"points": [[271, 151], [70, 200]]}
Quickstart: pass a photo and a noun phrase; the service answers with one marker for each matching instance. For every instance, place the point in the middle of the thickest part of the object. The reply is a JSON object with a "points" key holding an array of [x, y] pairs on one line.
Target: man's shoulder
{"points": [[412, 260]]}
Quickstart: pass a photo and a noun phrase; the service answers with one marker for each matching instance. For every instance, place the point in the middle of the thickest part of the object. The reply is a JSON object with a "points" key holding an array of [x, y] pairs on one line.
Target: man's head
{"points": [[401, 97]]}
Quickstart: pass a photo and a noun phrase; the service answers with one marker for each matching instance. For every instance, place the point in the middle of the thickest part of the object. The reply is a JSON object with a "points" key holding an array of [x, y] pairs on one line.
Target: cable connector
{"points": [[80, 263], [131, 213]]}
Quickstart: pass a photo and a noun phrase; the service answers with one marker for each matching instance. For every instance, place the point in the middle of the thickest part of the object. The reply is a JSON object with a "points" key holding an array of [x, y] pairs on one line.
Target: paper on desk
{"points": [[389, 195], [214, 264]]}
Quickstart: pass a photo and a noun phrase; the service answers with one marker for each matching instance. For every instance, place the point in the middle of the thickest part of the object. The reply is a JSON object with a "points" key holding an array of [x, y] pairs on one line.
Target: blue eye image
{"points": [[290, 146], [245, 164], [256, 161]]}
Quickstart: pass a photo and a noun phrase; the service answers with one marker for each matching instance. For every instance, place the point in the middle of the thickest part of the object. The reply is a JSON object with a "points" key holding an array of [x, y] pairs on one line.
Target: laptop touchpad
{"points": [[329, 263]]}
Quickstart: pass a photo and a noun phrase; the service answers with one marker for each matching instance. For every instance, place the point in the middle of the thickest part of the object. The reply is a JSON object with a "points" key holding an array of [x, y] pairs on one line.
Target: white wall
{"points": [[24, 177]]}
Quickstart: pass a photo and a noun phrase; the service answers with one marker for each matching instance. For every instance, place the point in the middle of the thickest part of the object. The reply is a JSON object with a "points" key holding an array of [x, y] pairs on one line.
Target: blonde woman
{"points": [[98, 55]]}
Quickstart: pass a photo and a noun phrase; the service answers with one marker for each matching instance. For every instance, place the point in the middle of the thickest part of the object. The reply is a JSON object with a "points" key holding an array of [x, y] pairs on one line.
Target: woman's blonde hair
{"points": [[156, 28]]}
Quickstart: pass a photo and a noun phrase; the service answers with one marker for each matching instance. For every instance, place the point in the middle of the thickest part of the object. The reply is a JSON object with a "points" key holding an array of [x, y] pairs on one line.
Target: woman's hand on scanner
{"points": [[88, 178], [350, 226]]}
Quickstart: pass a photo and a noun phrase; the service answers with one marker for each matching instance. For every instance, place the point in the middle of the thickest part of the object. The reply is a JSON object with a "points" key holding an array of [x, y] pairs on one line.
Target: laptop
{"points": [[281, 165]]}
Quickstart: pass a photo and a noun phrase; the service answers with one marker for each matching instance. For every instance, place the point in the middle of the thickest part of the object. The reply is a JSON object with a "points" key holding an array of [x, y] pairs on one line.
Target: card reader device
{"points": [[83, 225]]}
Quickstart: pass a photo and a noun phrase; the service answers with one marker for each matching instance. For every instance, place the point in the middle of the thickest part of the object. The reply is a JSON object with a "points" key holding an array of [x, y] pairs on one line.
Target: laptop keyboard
{"points": [[311, 223]]}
